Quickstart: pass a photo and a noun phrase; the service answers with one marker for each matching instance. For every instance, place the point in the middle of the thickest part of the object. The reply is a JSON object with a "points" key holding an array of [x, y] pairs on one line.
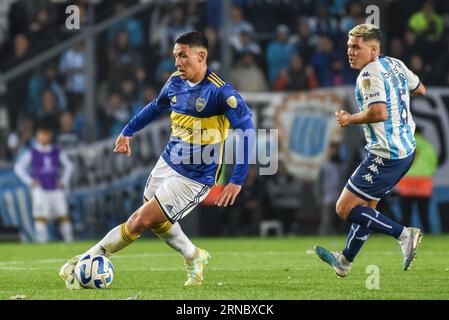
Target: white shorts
{"points": [[175, 194], [48, 204]]}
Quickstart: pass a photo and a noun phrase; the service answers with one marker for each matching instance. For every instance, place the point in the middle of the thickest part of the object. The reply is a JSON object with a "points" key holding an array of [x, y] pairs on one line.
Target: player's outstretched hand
{"points": [[228, 195], [342, 118], [122, 145]]}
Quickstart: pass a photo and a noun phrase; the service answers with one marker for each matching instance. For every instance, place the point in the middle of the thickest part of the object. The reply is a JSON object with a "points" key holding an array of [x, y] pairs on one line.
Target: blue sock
{"points": [[356, 238], [375, 221]]}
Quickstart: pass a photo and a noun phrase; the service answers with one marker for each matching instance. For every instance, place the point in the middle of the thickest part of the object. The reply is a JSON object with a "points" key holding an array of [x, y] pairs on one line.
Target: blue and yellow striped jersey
{"points": [[200, 118]]}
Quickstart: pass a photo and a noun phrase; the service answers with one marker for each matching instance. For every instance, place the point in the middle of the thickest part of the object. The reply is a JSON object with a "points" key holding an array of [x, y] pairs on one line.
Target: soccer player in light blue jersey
{"points": [[203, 107], [383, 90]]}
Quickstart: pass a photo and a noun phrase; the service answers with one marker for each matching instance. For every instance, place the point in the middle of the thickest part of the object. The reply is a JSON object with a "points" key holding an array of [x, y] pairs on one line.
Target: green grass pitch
{"points": [[240, 268]]}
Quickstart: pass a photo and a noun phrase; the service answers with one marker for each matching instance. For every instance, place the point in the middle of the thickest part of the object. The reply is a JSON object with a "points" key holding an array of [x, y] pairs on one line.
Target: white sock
{"points": [[116, 239], [65, 228], [177, 239], [41, 232]]}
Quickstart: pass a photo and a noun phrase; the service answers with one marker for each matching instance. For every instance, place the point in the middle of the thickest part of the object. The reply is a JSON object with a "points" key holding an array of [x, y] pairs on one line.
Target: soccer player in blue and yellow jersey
{"points": [[383, 90], [203, 107]]}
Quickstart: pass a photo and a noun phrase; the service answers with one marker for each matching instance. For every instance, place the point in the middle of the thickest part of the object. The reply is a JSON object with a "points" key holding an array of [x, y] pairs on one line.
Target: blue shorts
{"points": [[375, 176]]}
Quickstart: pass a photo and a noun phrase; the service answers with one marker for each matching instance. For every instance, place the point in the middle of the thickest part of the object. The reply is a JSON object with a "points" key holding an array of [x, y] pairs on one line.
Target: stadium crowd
{"points": [[282, 45]]}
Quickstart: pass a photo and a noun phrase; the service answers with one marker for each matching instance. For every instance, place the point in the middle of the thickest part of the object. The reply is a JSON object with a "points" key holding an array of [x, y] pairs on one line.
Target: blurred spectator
{"points": [[124, 61], [41, 80], [132, 26], [396, 49], [196, 14], [416, 64], [322, 60], [247, 213], [296, 77], [67, 136], [118, 114], [427, 23], [72, 67], [238, 24], [214, 52], [131, 93], [304, 40], [355, 16], [245, 43], [43, 32], [330, 184], [283, 190], [16, 97], [279, 53], [246, 75], [164, 68], [49, 111], [40, 168], [323, 23], [429, 26], [416, 186], [21, 138]]}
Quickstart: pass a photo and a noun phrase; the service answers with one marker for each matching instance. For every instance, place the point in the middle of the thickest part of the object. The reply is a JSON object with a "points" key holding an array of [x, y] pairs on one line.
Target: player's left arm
{"points": [[240, 118], [374, 98]]}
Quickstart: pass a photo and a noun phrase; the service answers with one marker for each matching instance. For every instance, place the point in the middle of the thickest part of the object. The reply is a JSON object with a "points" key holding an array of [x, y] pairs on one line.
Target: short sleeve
{"points": [[235, 108], [372, 88], [412, 79]]}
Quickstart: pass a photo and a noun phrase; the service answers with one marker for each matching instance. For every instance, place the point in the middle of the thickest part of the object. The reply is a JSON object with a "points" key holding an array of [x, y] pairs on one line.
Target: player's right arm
{"points": [[417, 88], [149, 113]]}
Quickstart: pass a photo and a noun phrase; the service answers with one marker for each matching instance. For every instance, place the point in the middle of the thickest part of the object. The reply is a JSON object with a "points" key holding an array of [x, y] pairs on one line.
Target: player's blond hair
{"points": [[366, 31]]}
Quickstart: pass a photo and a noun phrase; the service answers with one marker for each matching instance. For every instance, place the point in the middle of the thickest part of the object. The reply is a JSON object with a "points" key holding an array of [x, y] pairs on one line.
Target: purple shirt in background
{"points": [[45, 167]]}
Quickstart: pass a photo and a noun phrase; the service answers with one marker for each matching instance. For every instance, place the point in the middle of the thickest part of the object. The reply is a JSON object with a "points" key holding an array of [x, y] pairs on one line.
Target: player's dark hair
{"points": [[45, 124], [193, 39]]}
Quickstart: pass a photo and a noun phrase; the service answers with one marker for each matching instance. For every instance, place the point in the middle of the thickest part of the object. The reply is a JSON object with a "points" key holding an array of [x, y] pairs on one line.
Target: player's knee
{"points": [[342, 210]]}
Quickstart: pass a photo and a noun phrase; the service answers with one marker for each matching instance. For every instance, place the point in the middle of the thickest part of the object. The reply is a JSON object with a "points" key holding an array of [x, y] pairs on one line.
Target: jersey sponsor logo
{"points": [[371, 95], [366, 83], [200, 104], [232, 102], [173, 100]]}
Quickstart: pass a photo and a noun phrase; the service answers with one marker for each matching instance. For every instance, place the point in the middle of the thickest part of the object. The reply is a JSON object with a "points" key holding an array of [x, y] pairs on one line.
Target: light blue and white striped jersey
{"points": [[388, 80]]}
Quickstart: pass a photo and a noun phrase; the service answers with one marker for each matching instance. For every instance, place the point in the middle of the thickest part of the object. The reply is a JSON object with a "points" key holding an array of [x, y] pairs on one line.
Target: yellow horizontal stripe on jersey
{"points": [[217, 78], [197, 130], [214, 81]]}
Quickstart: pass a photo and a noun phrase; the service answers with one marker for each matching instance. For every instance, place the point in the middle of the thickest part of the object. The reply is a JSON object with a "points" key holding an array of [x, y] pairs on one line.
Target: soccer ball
{"points": [[94, 271]]}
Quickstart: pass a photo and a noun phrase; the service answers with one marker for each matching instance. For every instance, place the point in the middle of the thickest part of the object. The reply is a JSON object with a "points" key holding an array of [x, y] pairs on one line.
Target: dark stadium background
{"points": [[90, 81]]}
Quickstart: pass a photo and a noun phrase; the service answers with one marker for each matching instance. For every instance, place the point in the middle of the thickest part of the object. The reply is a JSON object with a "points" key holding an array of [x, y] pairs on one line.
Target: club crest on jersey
{"points": [[173, 99], [232, 102], [366, 83], [200, 104]]}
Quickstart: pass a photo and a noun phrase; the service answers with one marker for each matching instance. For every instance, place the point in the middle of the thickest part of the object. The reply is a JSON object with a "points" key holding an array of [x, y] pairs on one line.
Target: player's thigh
{"points": [[59, 206], [157, 175], [147, 216], [40, 201], [178, 196]]}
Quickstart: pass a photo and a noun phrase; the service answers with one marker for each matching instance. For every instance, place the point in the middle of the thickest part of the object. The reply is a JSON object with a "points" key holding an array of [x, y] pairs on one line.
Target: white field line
{"points": [[168, 254]]}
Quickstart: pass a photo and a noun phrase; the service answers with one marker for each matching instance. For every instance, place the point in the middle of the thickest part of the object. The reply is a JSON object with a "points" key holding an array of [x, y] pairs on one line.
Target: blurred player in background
{"points": [[202, 108], [383, 90], [41, 169]]}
